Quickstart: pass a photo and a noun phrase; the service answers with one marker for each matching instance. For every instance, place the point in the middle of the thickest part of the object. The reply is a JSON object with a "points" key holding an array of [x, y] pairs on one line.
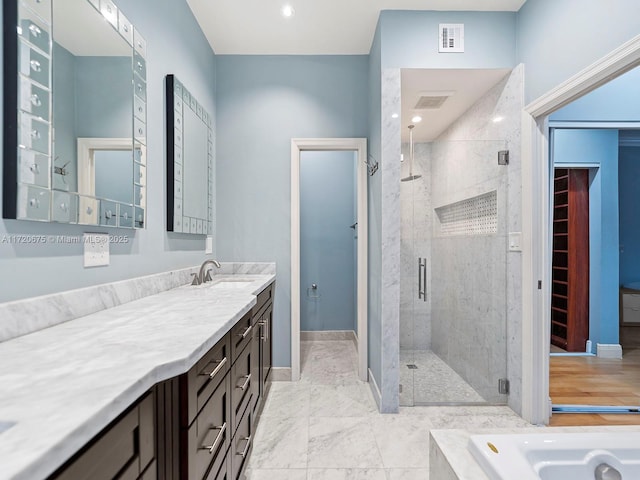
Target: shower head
{"points": [[410, 178]]}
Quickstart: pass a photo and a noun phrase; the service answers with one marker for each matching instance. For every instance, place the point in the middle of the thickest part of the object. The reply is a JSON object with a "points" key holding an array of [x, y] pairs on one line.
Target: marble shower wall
{"points": [[416, 214], [476, 288]]}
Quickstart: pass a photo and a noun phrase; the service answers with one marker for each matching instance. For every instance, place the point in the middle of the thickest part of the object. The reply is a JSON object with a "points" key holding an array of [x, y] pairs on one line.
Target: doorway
{"points": [[537, 171], [360, 230]]}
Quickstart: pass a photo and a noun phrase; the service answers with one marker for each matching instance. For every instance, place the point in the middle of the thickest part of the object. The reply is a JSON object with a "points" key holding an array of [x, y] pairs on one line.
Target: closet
{"points": [[570, 268]]}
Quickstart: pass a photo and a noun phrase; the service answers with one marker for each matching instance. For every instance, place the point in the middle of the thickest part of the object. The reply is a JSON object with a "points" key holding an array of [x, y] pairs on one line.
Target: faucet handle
{"points": [[208, 277], [196, 279]]}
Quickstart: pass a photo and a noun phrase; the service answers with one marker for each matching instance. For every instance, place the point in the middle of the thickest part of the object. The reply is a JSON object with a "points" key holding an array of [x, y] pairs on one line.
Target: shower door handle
{"points": [[422, 278]]}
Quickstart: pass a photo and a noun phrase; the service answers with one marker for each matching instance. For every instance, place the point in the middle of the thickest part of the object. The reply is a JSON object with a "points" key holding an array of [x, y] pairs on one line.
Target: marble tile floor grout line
{"points": [[327, 426]]}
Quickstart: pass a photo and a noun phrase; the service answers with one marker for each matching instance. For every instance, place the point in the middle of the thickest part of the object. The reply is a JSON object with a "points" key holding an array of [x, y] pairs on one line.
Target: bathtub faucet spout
{"points": [[607, 472]]}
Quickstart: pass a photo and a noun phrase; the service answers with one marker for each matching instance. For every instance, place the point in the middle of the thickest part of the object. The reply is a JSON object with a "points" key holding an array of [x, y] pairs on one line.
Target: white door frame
{"points": [[358, 145], [536, 217]]}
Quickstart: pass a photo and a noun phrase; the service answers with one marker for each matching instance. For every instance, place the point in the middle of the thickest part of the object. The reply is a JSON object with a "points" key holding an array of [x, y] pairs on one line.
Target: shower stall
{"points": [[455, 263]]}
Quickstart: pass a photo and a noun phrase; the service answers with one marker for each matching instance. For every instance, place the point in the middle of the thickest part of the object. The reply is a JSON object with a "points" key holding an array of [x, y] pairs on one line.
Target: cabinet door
{"points": [[256, 374], [266, 356], [122, 450]]}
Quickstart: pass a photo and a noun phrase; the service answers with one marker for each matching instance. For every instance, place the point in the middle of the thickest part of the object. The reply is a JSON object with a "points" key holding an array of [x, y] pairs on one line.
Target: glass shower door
{"points": [[456, 270]]}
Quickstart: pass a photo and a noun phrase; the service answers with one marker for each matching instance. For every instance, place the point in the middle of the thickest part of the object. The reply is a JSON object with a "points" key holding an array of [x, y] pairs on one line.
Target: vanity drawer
{"points": [[208, 438], [204, 377], [264, 297], [241, 445], [241, 386], [241, 335]]}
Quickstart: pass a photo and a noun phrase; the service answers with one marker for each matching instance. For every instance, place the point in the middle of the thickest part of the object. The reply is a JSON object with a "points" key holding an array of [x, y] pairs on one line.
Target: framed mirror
{"points": [[189, 162], [74, 143]]}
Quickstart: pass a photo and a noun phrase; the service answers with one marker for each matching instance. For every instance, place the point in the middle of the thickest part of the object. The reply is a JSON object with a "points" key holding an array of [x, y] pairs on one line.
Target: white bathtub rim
{"points": [[518, 448]]}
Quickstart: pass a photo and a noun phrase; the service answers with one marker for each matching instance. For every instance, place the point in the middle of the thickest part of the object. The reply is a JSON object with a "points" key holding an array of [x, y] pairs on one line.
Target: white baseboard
{"points": [[280, 374], [326, 335], [609, 350], [377, 396]]}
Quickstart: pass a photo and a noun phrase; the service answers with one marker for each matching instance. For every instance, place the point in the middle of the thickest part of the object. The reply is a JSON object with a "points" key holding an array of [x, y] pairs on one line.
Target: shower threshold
{"points": [[595, 409]]}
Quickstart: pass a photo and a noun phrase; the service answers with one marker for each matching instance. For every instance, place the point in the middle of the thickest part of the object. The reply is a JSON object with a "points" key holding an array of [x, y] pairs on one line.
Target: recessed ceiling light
{"points": [[288, 11], [394, 115], [497, 119], [416, 119]]}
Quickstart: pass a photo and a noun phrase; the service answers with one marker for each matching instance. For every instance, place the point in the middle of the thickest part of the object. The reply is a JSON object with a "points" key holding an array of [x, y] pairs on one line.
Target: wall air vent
{"points": [[451, 38]]}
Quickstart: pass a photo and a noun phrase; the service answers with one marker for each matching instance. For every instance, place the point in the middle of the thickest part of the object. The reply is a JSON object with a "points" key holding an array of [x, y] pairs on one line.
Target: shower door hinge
{"points": [[503, 157], [503, 386]]}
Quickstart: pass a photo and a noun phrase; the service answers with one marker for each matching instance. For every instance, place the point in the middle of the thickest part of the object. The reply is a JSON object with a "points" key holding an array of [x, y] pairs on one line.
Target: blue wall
{"points": [[264, 102], [613, 101], [114, 175], [327, 244], [64, 111], [557, 39], [103, 97], [576, 147], [410, 39], [629, 189], [175, 45]]}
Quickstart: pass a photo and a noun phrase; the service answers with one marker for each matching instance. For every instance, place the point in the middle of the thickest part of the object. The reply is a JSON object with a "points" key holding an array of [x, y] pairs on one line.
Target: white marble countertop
{"points": [[62, 385], [454, 444]]}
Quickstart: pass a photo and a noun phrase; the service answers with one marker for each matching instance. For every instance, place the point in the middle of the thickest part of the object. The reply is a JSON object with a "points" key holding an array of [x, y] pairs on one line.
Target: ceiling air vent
{"points": [[431, 101], [451, 38]]}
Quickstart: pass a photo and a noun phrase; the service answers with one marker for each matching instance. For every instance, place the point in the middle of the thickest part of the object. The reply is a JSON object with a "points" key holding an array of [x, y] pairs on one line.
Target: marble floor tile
{"points": [[353, 400], [345, 442], [408, 474], [330, 363], [403, 441], [346, 474], [276, 473], [326, 427], [280, 442], [287, 399]]}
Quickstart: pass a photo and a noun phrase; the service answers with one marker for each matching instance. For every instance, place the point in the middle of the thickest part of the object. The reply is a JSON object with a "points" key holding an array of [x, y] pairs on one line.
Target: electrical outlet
{"points": [[96, 249], [515, 242]]}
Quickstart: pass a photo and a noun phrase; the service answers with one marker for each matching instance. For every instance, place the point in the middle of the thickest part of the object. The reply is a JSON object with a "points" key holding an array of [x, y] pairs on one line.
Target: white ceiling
{"points": [[320, 27], [466, 85]]}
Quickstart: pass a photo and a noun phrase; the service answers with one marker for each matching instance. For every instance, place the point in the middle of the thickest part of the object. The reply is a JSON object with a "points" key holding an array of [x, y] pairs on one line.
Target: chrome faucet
{"points": [[204, 275]]}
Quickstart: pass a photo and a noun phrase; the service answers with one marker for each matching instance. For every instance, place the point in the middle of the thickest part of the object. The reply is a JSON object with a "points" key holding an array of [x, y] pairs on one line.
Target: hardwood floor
{"points": [[595, 381]]}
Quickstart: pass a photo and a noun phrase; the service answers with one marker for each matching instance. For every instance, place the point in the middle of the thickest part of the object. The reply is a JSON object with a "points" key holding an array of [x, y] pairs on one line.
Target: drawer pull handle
{"points": [[244, 452], [215, 371], [262, 324], [214, 446], [246, 382], [246, 332]]}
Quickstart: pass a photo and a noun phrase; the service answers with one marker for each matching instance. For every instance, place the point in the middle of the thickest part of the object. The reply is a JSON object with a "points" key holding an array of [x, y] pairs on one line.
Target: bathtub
{"points": [[556, 456]]}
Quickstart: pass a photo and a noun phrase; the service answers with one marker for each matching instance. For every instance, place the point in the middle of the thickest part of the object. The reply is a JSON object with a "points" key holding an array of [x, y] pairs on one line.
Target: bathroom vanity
{"points": [[169, 386]]}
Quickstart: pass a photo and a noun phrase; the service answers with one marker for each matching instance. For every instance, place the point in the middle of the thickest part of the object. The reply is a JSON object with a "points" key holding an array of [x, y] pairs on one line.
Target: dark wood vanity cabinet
{"points": [[124, 450], [207, 416], [197, 426]]}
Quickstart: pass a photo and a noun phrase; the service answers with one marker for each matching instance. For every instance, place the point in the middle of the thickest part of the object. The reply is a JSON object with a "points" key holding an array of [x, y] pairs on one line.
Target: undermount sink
{"points": [[235, 284], [4, 426]]}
